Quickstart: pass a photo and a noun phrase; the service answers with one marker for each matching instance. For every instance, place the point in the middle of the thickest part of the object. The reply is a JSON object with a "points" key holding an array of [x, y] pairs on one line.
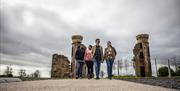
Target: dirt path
{"points": [[79, 85]]}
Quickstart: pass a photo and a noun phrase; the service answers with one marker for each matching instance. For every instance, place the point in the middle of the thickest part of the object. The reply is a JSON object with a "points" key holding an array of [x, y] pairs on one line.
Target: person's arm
{"points": [[115, 51], [85, 54], [93, 50], [104, 53], [76, 54], [102, 50]]}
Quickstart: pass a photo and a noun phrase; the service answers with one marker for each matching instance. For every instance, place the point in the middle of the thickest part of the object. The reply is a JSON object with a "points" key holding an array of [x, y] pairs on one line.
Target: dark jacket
{"points": [[94, 50], [80, 53]]}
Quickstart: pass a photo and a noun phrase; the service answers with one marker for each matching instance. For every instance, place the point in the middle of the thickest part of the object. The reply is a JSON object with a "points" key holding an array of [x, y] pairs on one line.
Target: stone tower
{"points": [[60, 66], [141, 60], [76, 41]]}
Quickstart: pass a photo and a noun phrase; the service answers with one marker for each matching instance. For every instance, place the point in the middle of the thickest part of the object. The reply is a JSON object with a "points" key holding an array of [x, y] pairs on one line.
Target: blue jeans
{"points": [[79, 65], [97, 65], [109, 63]]}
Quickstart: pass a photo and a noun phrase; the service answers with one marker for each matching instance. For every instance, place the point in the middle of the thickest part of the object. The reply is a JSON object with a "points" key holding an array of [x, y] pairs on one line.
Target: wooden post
{"points": [[169, 69], [118, 67], [156, 67], [174, 58]]}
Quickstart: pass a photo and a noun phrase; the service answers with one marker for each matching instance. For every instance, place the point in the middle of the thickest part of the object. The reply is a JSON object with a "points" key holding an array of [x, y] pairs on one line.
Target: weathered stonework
{"points": [[60, 66], [76, 41], [141, 60]]}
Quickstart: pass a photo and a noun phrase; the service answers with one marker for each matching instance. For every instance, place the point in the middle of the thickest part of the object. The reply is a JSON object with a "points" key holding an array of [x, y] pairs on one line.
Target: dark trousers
{"points": [[90, 68], [97, 65], [79, 66], [109, 63]]}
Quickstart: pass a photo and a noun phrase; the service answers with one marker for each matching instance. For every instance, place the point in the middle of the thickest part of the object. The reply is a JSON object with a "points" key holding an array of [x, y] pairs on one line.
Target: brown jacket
{"points": [[94, 50], [113, 53]]}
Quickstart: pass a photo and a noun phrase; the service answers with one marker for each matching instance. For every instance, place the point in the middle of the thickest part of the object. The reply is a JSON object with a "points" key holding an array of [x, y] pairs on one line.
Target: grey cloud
{"points": [[17, 44], [24, 63], [26, 43]]}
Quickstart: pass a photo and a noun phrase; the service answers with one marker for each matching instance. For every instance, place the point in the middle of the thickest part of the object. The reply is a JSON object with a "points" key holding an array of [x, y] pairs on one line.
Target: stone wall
{"points": [[60, 66]]}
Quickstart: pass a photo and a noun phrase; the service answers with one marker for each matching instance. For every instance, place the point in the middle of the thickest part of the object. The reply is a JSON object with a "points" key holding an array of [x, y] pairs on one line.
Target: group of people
{"points": [[93, 56]]}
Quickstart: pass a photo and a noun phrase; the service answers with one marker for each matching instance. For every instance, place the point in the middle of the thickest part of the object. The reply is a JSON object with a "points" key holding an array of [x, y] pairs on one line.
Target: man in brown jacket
{"points": [[109, 56], [97, 52]]}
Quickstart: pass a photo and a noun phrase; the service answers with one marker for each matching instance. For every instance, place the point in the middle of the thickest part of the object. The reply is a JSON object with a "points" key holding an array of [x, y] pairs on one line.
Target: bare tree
{"points": [[8, 71], [114, 68], [120, 65], [126, 65], [31, 75], [36, 74], [22, 73], [175, 65]]}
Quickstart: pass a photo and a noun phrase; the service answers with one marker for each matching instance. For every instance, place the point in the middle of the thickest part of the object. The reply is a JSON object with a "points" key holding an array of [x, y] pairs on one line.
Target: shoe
{"points": [[89, 76], [97, 78]]}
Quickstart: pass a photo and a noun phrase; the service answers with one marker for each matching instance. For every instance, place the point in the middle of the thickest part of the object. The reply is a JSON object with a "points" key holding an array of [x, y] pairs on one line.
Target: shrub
{"points": [[178, 71], [163, 71]]}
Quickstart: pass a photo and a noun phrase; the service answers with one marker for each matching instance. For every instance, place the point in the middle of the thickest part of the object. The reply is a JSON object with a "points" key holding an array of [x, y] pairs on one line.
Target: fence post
{"points": [[169, 69], [156, 67], [118, 67], [174, 58]]}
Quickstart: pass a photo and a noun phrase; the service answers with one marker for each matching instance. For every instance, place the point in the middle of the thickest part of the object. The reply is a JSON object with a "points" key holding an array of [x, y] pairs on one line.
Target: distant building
{"points": [[76, 41], [141, 60], [60, 66]]}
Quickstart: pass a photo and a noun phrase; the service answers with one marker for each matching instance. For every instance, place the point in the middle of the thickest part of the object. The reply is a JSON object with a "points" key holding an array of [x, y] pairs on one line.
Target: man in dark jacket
{"points": [[79, 56], [97, 52]]}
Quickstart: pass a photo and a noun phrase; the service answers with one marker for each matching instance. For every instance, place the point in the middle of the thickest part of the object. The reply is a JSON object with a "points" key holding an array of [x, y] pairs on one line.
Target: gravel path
{"points": [[79, 85]]}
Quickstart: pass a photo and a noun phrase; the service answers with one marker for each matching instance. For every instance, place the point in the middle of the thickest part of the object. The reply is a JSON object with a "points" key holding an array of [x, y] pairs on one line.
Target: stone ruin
{"points": [[141, 59], [76, 41], [60, 66]]}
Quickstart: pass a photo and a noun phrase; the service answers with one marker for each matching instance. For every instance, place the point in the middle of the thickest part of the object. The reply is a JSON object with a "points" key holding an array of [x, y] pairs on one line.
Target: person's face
{"points": [[109, 44], [97, 42], [90, 48]]}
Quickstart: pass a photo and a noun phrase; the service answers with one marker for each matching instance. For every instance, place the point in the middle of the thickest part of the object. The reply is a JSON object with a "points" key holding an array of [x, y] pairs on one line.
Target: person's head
{"points": [[79, 47], [97, 41], [90, 47], [109, 43]]}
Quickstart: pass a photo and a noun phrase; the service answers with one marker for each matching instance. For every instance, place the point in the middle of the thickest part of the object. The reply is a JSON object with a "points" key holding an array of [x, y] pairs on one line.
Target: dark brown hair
{"points": [[90, 46], [97, 39]]}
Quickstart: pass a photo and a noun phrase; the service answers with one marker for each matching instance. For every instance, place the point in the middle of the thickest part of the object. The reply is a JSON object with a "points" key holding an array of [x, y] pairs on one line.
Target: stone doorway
{"points": [[142, 69]]}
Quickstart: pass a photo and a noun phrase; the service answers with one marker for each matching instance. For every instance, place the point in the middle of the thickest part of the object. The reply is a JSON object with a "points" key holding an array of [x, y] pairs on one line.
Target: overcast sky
{"points": [[32, 30]]}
